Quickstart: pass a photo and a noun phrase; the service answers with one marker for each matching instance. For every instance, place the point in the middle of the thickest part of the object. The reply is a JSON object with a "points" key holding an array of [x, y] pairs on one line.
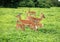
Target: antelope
{"points": [[31, 13], [26, 22], [36, 20]]}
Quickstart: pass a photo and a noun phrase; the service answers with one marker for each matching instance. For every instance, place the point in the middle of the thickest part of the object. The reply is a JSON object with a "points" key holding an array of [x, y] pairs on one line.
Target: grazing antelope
{"points": [[27, 22]]}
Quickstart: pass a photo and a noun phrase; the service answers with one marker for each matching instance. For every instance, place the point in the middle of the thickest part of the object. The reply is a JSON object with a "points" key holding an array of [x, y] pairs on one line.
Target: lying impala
{"points": [[26, 22]]}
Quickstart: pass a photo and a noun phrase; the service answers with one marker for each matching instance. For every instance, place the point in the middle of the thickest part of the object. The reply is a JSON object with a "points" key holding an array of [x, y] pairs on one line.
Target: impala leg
{"points": [[22, 27], [17, 26], [40, 25], [35, 27], [31, 27]]}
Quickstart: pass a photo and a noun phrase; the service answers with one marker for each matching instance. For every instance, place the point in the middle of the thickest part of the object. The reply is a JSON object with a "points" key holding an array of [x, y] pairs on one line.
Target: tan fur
{"points": [[26, 22]]}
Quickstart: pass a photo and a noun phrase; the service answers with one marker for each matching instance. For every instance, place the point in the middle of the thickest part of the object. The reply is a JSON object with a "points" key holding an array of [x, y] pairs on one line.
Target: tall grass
{"points": [[49, 33]]}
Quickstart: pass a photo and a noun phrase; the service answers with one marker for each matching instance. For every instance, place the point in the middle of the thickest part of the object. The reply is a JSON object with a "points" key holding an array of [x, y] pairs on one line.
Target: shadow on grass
{"points": [[50, 31]]}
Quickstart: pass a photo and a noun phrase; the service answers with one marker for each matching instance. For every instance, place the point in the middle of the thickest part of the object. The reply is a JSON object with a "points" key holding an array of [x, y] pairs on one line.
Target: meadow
{"points": [[49, 33]]}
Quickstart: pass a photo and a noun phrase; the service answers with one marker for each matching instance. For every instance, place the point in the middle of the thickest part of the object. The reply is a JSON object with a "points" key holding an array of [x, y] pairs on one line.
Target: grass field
{"points": [[49, 33]]}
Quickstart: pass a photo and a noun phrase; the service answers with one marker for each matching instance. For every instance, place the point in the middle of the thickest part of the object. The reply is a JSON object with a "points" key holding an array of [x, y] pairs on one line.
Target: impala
{"points": [[36, 20], [27, 22]]}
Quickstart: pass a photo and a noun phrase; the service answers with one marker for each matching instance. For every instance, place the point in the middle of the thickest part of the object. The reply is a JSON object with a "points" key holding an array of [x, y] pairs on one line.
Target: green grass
{"points": [[49, 33]]}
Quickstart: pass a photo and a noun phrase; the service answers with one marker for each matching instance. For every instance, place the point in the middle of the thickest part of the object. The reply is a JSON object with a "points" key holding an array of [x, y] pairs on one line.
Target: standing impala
{"points": [[36, 20], [26, 22]]}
